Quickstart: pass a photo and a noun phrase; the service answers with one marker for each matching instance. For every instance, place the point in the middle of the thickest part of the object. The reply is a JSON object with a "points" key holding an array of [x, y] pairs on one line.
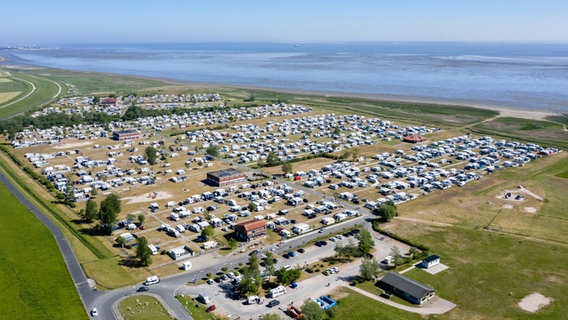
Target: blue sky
{"points": [[62, 21]]}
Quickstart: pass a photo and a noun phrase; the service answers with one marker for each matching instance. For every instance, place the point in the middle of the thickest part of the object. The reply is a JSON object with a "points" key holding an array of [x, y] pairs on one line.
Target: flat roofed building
{"points": [[123, 135], [250, 230], [430, 261], [224, 177], [406, 288]]}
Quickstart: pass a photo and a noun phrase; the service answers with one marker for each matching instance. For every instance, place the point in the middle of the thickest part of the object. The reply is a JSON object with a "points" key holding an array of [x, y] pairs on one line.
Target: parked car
{"points": [[143, 289], [301, 250], [273, 303], [211, 308]]}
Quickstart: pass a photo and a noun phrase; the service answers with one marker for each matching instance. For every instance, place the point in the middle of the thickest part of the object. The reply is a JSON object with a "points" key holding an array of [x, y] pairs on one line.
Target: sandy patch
{"points": [[534, 302], [507, 206], [530, 209], [149, 197], [67, 145]]}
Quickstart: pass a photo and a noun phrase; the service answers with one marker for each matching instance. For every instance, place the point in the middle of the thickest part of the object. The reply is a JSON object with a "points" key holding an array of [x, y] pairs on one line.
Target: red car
{"points": [[211, 308]]}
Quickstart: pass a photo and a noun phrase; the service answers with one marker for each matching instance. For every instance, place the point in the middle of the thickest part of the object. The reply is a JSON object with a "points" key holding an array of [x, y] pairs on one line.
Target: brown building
{"points": [[225, 177], [414, 138], [250, 230], [108, 102], [126, 135]]}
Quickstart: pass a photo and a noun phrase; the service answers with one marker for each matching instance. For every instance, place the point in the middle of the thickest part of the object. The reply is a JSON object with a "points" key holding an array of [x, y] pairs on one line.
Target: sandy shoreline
{"points": [[505, 111]]}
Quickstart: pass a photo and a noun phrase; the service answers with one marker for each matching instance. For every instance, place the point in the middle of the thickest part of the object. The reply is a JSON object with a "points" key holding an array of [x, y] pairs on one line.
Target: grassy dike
{"points": [[34, 280]]}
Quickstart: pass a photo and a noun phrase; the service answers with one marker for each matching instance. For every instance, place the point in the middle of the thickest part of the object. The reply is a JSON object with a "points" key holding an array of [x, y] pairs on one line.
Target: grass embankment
{"points": [[34, 280], [142, 307], [196, 309]]}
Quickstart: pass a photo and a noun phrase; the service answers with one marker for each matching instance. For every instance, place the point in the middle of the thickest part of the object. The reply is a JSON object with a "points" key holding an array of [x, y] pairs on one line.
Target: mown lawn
{"points": [[45, 90], [142, 307], [34, 280], [197, 309], [353, 305], [490, 273]]}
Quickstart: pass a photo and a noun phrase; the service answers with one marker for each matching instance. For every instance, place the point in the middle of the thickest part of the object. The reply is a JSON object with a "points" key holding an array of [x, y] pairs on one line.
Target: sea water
{"points": [[522, 75]]}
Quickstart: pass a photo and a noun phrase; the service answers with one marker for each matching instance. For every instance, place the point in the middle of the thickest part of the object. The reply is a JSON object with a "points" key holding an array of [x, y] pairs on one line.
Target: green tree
{"points": [[369, 269], [386, 211], [269, 267], [336, 131], [94, 193], [366, 242], [108, 213], [141, 218], [286, 277], [151, 156], [207, 232], [312, 311], [247, 286], [69, 191], [90, 211], [252, 206], [287, 167], [96, 100], [397, 256], [121, 241], [143, 253], [212, 151], [272, 159]]}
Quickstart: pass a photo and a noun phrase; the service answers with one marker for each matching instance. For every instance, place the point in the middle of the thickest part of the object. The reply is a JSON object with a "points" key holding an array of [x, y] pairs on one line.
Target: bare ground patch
{"points": [[534, 302]]}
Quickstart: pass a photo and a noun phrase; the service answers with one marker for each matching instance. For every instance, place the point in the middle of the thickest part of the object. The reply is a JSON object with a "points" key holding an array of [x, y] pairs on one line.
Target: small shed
{"points": [[430, 261]]}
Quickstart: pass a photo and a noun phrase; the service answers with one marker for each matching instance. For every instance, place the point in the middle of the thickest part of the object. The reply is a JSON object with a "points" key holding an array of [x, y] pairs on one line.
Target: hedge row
{"points": [[399, 238], [39, 178]]}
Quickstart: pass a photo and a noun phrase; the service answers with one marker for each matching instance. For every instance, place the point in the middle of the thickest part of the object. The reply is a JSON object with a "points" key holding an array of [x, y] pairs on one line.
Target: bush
{"points": [[224, 269]]}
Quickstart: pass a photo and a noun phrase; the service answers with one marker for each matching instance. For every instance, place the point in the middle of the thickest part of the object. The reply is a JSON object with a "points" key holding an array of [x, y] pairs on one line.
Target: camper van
{"points": [[278, 291], [151, 280]]}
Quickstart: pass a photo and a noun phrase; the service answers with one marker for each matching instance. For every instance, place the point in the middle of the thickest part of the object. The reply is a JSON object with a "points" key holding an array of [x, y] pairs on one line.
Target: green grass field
{"points": [[87, 83], [45, 90], [490, 273], [34, 280], [142, 307], [353, 305], [197, 309]]}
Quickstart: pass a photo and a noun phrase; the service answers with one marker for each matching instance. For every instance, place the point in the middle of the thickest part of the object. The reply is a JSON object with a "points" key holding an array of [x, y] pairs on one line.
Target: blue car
{"points": [[291, 254]]}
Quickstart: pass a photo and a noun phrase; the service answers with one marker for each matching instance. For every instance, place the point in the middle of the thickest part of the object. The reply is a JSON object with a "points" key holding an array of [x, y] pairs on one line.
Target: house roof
{"points": [[405, 284], [252, 224], [414, 137], [431, 258]]}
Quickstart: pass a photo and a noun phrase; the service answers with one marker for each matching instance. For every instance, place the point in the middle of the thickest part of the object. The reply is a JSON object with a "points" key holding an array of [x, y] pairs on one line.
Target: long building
{"points": [[225, 177], [250, 230], [123, 135], [406, 288]]}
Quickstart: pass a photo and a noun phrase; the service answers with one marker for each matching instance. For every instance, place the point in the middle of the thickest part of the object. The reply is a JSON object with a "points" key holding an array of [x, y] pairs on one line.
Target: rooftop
{"points": [[405, 284], [225, 172], [252, 224]]}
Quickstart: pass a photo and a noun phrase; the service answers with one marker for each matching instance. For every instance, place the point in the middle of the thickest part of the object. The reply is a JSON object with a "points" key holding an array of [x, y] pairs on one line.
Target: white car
{"points": [[94, 312]]}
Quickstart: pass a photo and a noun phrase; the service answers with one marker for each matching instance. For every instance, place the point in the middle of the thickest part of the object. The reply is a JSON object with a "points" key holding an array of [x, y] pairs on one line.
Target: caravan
{"points": [[278, 291]]}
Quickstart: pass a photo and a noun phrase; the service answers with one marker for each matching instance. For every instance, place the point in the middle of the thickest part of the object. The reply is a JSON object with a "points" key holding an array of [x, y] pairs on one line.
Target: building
{"points": [[413, 138], [225, 177], [108, 102], [406, 288], [123, 135], [250, 230], [430, 261]]}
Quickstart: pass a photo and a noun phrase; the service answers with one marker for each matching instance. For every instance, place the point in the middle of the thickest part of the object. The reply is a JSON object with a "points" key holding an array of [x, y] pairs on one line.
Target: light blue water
{"points": [[531, 76]]}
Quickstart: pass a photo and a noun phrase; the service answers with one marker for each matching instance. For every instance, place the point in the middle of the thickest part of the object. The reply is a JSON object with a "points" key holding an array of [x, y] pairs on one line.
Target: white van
{"points": [[203, 298], [151, 280], [278, 291]]}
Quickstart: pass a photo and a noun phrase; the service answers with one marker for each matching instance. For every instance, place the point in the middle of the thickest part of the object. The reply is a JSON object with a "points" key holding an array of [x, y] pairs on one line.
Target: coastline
{"points": [[504, 110]]}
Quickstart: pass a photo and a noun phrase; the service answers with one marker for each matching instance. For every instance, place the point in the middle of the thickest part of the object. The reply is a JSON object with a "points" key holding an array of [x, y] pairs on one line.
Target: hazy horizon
{"points": [[294, 21]]}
